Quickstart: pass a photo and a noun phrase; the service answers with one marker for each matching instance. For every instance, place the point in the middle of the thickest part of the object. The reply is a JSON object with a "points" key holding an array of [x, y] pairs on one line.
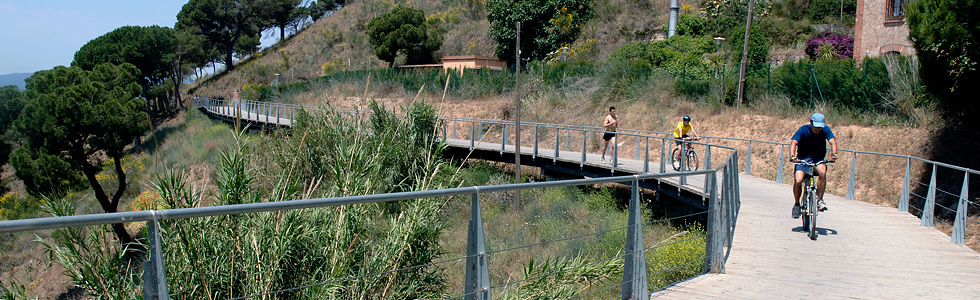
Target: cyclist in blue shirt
{"points": [[809, 143]]}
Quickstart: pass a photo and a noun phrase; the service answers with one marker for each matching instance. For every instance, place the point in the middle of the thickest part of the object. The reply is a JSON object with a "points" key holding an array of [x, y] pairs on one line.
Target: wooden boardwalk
{"points": [[863, 251]]}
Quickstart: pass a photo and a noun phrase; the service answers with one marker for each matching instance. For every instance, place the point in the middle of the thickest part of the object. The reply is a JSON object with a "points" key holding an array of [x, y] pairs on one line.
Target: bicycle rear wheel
{"points": [[692, 160]]}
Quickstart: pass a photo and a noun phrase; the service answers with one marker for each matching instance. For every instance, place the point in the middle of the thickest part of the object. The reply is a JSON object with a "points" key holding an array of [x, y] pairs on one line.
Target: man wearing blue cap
{"points": [[808, 144]]}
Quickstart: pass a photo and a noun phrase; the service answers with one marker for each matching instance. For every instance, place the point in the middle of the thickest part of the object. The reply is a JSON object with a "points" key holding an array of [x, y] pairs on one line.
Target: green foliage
{"points": [[677, 258], [403, 30], [945, 35], [89, 259], [318, 8], [284, 13], [232, 25], [726, 15], [784, 32], [80, 119], [840, 83], [758, 49], [12, 102], [824, 10], [546, 25], [149, 48], [15, 206], [679, 56], [689, 24]]}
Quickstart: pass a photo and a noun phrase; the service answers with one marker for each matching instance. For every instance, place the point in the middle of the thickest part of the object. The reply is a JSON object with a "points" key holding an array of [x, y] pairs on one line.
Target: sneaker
{"points": [[796, 211], [821, 206], [603, 160]]}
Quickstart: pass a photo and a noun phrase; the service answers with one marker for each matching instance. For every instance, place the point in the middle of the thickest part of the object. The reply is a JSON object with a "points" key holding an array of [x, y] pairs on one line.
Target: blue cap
{"points": [[818, 119]]}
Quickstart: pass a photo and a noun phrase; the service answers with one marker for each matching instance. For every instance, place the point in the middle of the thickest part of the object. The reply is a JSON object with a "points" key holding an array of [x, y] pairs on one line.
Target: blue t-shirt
{"points": [[811, 145]]}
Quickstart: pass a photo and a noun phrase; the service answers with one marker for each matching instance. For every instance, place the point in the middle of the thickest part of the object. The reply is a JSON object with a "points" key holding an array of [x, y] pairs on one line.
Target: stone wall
{"points": [[875, 36]]}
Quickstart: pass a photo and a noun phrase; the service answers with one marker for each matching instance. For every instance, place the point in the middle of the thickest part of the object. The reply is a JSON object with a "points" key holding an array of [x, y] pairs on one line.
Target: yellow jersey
{"points": [[681, 130]]}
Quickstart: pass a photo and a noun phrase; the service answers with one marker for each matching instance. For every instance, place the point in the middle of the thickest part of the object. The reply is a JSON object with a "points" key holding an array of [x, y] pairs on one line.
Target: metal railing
{"points": [[723, 200], [879, 175]]}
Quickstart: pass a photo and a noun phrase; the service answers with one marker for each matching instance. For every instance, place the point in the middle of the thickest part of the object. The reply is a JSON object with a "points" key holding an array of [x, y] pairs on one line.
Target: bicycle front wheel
{"points": [[692, 160], [675, 157], [812, 215]]}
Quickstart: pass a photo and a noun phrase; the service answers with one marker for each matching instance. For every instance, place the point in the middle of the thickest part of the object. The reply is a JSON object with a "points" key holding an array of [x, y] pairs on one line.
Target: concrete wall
{"points": [[875, 36]]}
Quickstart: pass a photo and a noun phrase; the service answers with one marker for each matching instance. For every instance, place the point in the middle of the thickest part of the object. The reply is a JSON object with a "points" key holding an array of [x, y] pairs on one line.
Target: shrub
{"points": [[758, 56], [689, 24], [828, 45], [821, 10], [839, 83], [679, 55]]}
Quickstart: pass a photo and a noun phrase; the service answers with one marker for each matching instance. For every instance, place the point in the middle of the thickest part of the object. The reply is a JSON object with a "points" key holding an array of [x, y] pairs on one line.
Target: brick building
{"points": [[880, 29]]}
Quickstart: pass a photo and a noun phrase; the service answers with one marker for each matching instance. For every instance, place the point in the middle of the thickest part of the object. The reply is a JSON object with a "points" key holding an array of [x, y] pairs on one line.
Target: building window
{"points": [[895, 10]]}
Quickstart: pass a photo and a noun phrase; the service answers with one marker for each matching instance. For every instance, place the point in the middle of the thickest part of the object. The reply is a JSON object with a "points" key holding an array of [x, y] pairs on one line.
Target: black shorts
{"points": [[678, 142], [608, 135]]}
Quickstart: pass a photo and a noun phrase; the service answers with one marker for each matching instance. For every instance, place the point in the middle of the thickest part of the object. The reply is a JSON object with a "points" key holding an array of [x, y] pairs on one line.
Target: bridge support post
{"points": [[927, 210], [154, 272], [851, 178], [713, 256], [634, 264], [477, 270], [903, 201], [959, 224]]}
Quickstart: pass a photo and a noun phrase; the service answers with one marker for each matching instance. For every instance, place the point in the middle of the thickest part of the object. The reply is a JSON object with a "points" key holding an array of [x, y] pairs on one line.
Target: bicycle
{"points": [[692, 156], [808, 199]]}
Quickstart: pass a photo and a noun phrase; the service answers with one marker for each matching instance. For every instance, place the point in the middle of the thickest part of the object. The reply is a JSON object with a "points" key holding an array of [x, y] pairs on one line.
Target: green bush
{"points": [[838, 83], [824, 10], [758, 56], [784, 31], [689, 24], [679, 56], [692, 87]]}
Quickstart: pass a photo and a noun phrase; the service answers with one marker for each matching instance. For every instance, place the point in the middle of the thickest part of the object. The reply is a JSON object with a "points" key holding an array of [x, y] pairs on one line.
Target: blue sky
{"points": [[41, 34]]}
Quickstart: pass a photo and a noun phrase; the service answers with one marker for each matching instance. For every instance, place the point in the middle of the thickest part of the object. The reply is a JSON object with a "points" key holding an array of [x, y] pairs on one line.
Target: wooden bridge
{"points": [[863, 251]]}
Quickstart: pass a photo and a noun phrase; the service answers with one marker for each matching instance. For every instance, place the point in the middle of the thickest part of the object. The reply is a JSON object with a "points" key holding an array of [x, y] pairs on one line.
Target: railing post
{"points": [[557, 144], [748, 160], [714, 247], [444, 129], [634, 264], [154, 271], [454, 129], [663, 156], [927, 210], [615, 154], [534, 154], [779, 171], [636, 155], [503, 140], [581, 163], [568, 142], [903, 202], [959, 224], [477, 270], [646, 156], [850, 179], [278, 111]]}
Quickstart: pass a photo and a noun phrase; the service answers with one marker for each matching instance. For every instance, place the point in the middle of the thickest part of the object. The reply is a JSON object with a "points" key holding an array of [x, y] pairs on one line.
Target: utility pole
{"points": [[517, 123], [745, 55]]}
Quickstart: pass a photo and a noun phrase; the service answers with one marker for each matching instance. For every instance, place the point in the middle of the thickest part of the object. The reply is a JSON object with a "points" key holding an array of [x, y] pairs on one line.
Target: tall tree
{"points": [[232, 24], [285, 13], [149, 48], [946, 34], [403, 30], [11, 103], [76, 120], [546, 25], [319, 8]]}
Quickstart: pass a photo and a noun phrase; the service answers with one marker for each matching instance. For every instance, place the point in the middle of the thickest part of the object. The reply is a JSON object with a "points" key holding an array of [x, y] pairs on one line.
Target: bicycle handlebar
{"points": [[807, 162]]}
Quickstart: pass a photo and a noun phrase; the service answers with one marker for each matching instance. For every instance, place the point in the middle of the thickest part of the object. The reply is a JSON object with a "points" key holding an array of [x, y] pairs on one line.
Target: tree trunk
{"points": [[229, 49], [109, 206], [282, 32]]}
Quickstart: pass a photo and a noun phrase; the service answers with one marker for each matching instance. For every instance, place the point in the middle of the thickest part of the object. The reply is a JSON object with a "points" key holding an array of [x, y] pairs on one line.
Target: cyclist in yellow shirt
{"points": [[680, 133]]}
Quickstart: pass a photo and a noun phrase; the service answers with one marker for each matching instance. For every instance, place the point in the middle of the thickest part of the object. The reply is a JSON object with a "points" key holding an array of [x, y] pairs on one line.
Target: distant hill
{"points": [[15, 79]]}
